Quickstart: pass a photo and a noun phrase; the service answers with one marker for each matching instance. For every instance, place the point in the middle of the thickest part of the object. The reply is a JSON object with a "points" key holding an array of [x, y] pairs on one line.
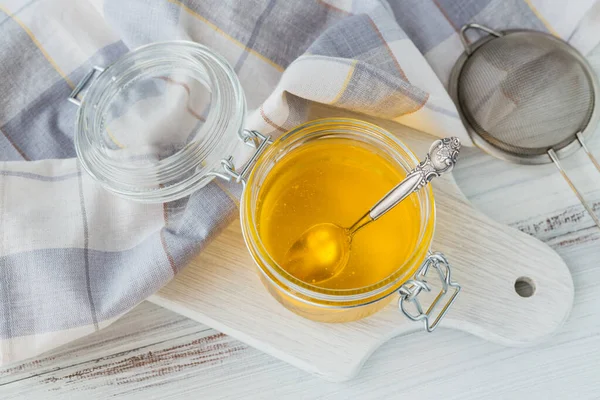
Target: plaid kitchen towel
{"points": [[73, 257]]}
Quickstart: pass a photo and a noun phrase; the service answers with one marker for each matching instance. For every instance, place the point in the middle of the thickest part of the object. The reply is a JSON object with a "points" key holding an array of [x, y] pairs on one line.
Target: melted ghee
{"points": [[337, 180]]}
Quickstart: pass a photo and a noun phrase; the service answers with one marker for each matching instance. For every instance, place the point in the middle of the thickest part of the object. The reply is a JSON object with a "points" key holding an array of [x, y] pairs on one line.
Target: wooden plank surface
{"points": [[154, 353]]}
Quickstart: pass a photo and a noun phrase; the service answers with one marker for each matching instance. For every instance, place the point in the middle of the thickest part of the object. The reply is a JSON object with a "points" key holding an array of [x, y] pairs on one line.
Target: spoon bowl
{"points": [[320, 253]]}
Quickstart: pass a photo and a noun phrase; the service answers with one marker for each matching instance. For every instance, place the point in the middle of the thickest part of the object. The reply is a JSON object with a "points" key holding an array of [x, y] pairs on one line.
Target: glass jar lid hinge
{"points": [[253, 139]]}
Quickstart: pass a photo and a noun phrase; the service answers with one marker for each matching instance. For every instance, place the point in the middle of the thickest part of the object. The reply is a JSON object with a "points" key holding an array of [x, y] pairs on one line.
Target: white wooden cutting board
{"points": [[220, 288]]}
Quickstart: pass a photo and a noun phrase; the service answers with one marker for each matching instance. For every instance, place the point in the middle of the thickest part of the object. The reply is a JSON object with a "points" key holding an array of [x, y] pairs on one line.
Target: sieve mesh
{"points": [[525, 93]]}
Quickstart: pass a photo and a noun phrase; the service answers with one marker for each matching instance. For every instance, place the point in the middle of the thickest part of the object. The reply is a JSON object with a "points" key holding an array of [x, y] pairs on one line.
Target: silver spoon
{"points": [[322, 251]]}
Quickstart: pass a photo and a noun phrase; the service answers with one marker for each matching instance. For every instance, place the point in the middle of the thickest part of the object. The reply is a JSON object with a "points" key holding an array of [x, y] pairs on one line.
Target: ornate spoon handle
{"points": [[441, 158]]}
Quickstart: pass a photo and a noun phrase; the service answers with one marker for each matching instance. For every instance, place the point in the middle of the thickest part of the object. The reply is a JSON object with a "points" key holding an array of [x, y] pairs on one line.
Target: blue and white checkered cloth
{"points": [[73, 258]]}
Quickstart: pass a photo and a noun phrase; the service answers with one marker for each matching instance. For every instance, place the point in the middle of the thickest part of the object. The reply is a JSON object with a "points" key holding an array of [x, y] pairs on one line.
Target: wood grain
{"points": [[147, 345], [220, 288]]}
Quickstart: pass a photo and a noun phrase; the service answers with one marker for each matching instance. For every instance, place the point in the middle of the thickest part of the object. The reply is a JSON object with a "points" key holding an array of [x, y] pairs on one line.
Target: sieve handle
{"points": [[587, 151], [585, 204], [466, 42]]}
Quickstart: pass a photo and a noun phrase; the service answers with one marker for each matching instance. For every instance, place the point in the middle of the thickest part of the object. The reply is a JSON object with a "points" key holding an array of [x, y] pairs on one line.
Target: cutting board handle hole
{"points": [[524, 286]]}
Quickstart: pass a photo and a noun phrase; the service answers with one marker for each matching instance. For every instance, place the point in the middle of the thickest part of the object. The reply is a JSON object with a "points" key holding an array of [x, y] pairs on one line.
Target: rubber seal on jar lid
{"points": [[155, 124]]}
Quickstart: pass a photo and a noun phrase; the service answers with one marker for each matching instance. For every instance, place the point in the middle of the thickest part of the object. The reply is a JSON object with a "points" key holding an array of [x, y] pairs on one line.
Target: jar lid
{"points": [[155, 125]]}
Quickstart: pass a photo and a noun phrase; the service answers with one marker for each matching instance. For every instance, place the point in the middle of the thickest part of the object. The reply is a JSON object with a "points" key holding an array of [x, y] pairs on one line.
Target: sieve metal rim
{"points": [[488, 147]]}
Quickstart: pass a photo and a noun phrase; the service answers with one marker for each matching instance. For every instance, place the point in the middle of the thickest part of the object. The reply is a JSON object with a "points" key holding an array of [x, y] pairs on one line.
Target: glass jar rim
{"points": [[188, 169], [310, 293]]}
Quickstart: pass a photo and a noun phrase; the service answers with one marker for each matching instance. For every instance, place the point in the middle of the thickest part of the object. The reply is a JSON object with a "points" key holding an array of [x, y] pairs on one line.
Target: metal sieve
{"points": [[526, 97]]}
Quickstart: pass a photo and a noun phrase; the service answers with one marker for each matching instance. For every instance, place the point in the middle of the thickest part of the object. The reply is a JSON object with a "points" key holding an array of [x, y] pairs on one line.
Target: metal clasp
{"points": [[254, 139], [410, 290], [82, 83]]}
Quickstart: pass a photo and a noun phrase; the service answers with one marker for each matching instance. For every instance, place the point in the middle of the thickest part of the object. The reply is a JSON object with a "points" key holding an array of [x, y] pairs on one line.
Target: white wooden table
{"points": [[154, 353]]}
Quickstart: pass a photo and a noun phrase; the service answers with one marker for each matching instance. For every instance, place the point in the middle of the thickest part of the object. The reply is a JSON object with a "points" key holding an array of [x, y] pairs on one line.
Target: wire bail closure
{"points": [[82, 84], [410, 290]]}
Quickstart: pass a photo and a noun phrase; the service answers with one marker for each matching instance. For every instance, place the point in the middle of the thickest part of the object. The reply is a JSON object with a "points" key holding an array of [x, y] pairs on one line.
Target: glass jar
{"points": [[167, 118], [314, 302]]}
